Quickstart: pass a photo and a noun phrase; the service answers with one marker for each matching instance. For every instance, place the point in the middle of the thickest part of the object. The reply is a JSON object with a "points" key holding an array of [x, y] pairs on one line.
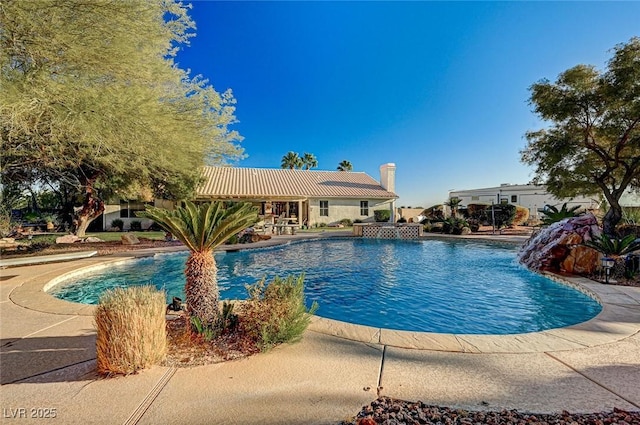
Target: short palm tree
{"points": [[202, 228], [291, 160], [345, 166], [454, 204], [309, 160]]}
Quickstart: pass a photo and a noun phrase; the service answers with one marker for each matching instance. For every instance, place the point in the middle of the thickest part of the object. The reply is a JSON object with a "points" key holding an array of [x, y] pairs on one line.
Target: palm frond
{"points": [[203, 227]]}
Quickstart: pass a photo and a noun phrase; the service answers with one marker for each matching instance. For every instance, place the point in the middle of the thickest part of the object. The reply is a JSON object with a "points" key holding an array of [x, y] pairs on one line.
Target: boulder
{"points": [[559, 246], [92, 239], [581, 260], [129, 239], [67, 239]]}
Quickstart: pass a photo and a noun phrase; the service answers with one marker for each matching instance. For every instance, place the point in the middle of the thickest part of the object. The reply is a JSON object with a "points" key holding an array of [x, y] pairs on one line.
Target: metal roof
{"points": [[265, 183]]}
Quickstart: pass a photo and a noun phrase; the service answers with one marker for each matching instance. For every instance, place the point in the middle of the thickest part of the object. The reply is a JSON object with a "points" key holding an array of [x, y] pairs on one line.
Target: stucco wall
{"points": [[344, 208]]}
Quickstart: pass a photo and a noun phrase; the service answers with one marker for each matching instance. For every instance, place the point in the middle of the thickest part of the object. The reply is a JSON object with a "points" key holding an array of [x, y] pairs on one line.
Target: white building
{"points": [[529, 196]]}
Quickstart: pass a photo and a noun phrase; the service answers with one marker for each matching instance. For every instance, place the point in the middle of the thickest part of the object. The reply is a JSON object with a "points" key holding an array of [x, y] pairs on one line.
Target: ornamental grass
{"points": [[131, 333], [276, 313]]}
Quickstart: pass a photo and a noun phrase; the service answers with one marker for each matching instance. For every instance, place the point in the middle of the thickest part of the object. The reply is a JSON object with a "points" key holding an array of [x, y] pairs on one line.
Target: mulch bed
{"points": [[103, 248]]}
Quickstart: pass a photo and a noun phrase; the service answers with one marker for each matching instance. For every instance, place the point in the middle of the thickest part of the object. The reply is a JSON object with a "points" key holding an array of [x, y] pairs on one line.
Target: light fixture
{"points": [[607, 263]]}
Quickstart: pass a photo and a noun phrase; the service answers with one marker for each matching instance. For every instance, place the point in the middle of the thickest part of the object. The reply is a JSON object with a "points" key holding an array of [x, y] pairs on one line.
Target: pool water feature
{"points": [[429, 286]]}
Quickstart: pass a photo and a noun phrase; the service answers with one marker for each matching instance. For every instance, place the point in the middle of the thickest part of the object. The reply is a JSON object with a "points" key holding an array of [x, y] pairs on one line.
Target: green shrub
{"points": [[454, 225], [276, 313], [135, 226], [382, 216], [322, 224], [233, 240], [131, 334], [117, 223], [357, 220], [346, 222], [31, 217]]}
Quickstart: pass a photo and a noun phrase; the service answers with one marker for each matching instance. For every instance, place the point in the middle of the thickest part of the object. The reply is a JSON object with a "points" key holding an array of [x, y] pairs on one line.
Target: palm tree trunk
{"points": [[201, 288]]}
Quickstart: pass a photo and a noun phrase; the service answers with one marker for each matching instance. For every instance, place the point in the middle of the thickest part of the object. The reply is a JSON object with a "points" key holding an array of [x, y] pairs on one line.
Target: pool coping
{"points": [[618, 320]]}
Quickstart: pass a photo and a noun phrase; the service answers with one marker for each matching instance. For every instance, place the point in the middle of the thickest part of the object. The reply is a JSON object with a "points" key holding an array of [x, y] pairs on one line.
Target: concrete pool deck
{"points": [[47, 362]]}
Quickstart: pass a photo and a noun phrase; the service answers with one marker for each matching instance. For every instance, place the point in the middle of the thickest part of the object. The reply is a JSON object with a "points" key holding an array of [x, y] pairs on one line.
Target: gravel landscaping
{"points": [[388, 411]]}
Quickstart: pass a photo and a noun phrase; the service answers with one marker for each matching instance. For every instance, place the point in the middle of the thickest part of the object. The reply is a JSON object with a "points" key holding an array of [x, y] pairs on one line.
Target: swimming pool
{"points": [[429, 286]]}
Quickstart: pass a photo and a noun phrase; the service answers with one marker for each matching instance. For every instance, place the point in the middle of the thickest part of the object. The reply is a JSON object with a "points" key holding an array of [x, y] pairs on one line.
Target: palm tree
{"points": [[202, 228], [454, 204], [309, 160], [291, 160], [345, 166]]}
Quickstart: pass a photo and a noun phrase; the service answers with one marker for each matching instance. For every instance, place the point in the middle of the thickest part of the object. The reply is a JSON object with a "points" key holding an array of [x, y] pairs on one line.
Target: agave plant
{"points": [[201, 229], [611, 246], [553, 214]]}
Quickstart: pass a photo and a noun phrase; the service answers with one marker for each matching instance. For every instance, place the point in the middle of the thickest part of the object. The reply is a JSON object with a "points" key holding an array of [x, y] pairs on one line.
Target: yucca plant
{"points": [[202, 228], [553, 214]]}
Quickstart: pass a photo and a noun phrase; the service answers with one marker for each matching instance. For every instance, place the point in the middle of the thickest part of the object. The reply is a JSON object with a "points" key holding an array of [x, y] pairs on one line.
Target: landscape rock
{"points": [[129, 239], [7, 241], [92, 239], [67, 239], [558, 248]]}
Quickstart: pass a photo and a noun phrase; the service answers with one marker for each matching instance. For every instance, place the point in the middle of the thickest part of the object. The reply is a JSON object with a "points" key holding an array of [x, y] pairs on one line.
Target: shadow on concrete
{"points": [[26, 358]]}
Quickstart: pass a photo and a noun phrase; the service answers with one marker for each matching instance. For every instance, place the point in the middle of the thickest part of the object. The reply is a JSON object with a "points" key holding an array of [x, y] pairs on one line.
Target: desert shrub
{"points": [[135, 226], [322, 224], [631, 215], [480, 213], [130, 326], [233, 240], [117, 223], [454, 226], [426, 225], [502, 215], [357, 220], [346, 222], [522, 215], [474, 224], [276, 313], [402, 220], [382, 216], [6, 223]]}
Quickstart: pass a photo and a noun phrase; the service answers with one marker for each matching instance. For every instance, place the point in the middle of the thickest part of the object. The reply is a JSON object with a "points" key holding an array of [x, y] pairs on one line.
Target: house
{"points": [[533, 197], [313, 197]]}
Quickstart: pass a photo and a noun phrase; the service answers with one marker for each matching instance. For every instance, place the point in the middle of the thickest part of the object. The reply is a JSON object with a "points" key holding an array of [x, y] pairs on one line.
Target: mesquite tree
{"points": [[592, 144], [93, 102]]}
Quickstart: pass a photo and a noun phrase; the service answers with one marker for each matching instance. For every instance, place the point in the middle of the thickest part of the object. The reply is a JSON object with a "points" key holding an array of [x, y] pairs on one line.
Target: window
{"points": [[128, 209], [475, 198], [514, 199], [364, 208], [324, 208]]}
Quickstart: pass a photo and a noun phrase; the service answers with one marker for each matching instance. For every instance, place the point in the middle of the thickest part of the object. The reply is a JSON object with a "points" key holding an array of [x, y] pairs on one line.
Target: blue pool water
{"points": [[430, 286]]}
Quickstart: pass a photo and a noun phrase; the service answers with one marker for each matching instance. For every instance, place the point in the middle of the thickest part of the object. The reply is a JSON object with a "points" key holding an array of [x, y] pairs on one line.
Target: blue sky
{"points": [[438, 88]]}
